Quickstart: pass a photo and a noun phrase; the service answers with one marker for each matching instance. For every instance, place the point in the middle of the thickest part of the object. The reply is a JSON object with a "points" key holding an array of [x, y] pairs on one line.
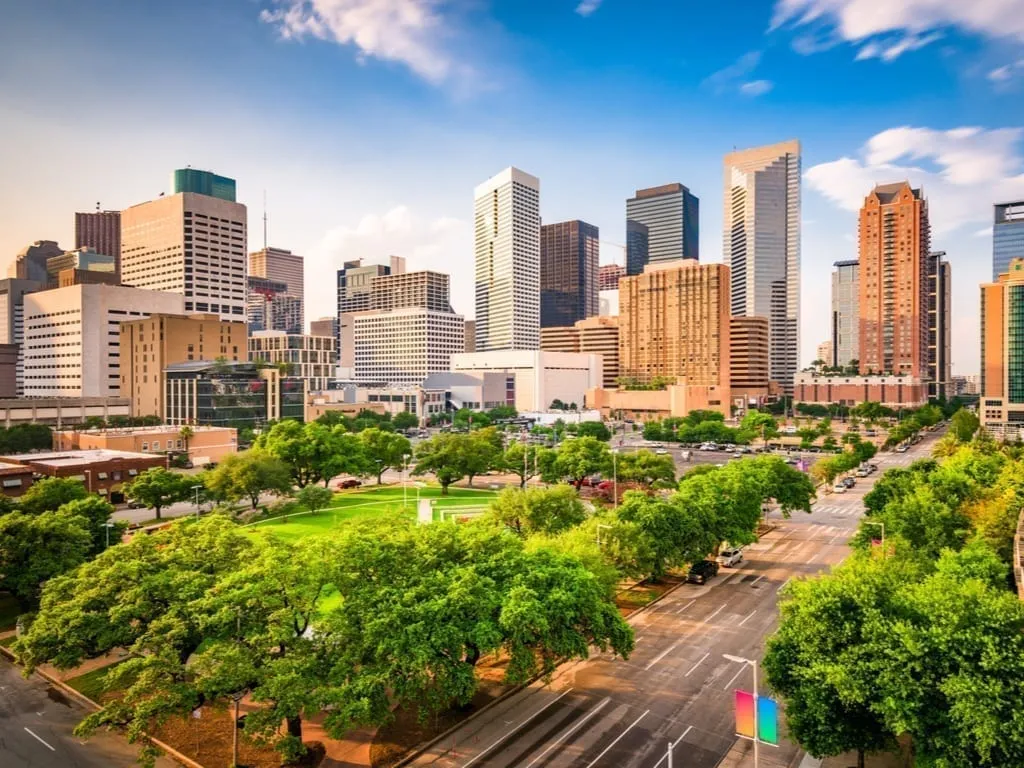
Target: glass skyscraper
{"points": [[1007, 236], [203, 183], [672, 215]]}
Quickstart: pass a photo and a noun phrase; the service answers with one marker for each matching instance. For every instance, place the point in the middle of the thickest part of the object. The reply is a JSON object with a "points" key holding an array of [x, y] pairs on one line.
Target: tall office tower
{"points": [[30, 261], [87, 319], [101, 231], [845, 313], [748, 357], [506, 215], [762, 246], [269, 307], [893, 300], [426, 289], [282, 266], [12, 327], [1001, 406], [150, 344], [671, 215], [569, 256], [674, 322], [598, 335], [84, 259], [1007, 236], [355, 285], [192, 243], [608, 277], [940, 374]]}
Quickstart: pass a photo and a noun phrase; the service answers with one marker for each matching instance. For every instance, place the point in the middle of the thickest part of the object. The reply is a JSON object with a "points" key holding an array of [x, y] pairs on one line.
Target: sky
{"points": [[366, 124]]}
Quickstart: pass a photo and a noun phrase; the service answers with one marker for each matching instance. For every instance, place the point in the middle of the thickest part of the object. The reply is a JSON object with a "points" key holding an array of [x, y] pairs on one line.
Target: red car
{"points": [[351, 483], [604, 485]]}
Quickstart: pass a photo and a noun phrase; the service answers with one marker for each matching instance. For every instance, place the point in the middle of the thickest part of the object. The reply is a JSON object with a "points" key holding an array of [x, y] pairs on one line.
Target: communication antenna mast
{"points": [[264, 219]]}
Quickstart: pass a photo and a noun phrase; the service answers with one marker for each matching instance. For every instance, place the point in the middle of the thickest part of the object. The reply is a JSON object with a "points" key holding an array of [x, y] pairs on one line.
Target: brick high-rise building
{"points": [[101, 231], [568, 272], [748, 357], [285, 267], [597, 335], [893, 297], [608, 276]]}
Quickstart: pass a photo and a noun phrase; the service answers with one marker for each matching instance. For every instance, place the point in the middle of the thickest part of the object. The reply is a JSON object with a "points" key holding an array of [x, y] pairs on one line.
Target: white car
{"points": [[661, 452], [838, 488], [730, 558]]}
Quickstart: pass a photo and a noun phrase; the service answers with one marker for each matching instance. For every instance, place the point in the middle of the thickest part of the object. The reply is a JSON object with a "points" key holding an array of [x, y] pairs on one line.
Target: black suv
{"points": [[702, 571]]}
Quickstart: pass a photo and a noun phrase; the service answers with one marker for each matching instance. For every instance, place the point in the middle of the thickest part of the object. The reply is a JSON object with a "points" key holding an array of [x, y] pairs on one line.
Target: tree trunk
{"points": [[470, 483], [860, 758], [295, 726], [379, 476], [472, 655], [157, 510], [255, 500], [444, 489], [578, 483]]}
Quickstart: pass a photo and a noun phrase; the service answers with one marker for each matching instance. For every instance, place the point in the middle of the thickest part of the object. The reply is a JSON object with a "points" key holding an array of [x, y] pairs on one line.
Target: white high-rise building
{"points": [[762, 246], [404, 346], [72, 337], [188, 243], [506, 219]]}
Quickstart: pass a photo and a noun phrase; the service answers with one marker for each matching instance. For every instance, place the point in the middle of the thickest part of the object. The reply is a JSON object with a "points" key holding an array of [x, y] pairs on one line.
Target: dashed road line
{"points": [[618, 738]]}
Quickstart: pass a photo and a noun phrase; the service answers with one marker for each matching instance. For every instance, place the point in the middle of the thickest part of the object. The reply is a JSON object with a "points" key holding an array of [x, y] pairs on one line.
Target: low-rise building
{"points": [[15, 479], [101, 471], [655, 404], [202, 444], [229, 394], [891, 391], [310, 358], [405, 345], [62, 411], [538, 378]]}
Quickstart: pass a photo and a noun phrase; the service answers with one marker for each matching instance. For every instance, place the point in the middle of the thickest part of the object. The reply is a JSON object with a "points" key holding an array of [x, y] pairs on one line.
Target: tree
{"points": [[405, 420], [502, 412], [314, 452], [538, 510], [314, 497], [157, 487], [96, 511], [645, 468], [656, 534], [50, 493], [442, 457], [480, 452], [34, 548], [186, 433], [384, 450], [580, 458], [523, 460], [557, 405], [764, 425], [467, 419], [594, 429], [249, 474], [964, 424]]}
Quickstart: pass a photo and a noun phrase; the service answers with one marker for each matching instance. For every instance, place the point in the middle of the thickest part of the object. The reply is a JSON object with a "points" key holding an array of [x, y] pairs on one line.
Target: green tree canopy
{"points": [[96, 511], [405, 420], [249, 474], [158, 487], [314, 452], [51, 493], [384, 450], [314, 497], [441, 456], [580, 458], [35, 548], [645, 468], [594, 429], [964, 424], [538, 510]]}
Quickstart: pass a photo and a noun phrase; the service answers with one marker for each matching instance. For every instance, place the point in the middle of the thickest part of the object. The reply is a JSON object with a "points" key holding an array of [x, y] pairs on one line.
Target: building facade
{"points": [[84, 259], [404, 346], [424, 289], [268, 307], [749, 367], [203, 446], [12, 321], [595, 335], [536, 379], [506, 220], [893, 298], [72, 337], [608, 277], [286, 267], [892, 391], [101, 471], [669, 219], [202, 183], [762, 246], [326, 326], [101, 231], [470, 336], [230, 395], [674, 323], [940, 374], [825, 352], [1001, 403], [310, 358], [30, 262], [569, 256], [1007, 236], [191, 244], [149, 345], [355, 291], [845, 313]]}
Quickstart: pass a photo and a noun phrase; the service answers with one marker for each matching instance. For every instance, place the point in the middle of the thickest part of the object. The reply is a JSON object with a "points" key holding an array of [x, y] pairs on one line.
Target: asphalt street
{"points": [[36, 724], [677, 687]]}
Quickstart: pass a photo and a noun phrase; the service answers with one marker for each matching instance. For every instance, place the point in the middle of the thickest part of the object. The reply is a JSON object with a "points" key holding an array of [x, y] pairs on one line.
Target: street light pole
{"points": [[197, 488], [237, 698], [753, 664], [108, 525], [615, 480]]}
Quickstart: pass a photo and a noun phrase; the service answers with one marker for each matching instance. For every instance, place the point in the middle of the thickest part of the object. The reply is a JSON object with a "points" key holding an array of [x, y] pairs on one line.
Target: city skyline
{"points": [[339, 189]]}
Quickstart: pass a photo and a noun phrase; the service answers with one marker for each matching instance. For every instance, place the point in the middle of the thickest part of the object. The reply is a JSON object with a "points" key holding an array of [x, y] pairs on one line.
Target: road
{"points": [[677, 687], [36, 724]]}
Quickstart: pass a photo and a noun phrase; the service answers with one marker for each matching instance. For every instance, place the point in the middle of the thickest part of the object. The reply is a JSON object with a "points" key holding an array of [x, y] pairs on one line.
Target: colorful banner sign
{"points": [[767, 720], [745, 714]]}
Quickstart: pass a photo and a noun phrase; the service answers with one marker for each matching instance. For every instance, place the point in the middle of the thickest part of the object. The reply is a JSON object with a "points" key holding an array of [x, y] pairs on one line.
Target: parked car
{"points": [[849, 482], [350, 483], [708, 447], [838, 487], [661, 452], [870, 433], [873, 467], [901, 448], [863, 471], [701, 571], [737, 455], [730, 557], [133, 504], [605, 485]]}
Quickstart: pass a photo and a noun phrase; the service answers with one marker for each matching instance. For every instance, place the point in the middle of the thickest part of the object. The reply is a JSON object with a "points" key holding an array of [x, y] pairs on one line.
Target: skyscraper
{"points": [[569, 256], [762, 246], [189, 243], [1001, 407], [355, 288], [202, 183], [270, 308], [845, 314], [30, 261], [506, 219], [672, 215], [940, 376], [608, 276], [101, 231], [1007, 236], [893, 300], [637, 247], [283, 266]]}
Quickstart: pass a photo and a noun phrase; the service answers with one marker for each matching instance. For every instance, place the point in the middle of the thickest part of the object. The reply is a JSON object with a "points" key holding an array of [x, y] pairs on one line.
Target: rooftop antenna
{"points": [[264, 219]]}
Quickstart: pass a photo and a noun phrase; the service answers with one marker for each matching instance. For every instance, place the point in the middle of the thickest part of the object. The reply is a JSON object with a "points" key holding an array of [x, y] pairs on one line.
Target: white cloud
{"points": [[426, 244], [1005, 73], [756, 87], [889, 28], [412, 32], [963, 171], [984, 232], [587, 7]]}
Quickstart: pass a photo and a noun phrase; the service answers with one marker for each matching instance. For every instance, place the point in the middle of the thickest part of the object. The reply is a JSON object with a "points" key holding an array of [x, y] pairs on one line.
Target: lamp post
{"points": [[599, 527], [108, 525], [615, 479], [237, 698], [753, 664], [88, 479], [197, 488], [405, 480]]}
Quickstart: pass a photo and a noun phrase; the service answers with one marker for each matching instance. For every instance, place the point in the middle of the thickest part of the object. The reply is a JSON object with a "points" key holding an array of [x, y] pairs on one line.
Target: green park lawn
{"points": [[369, 503]]}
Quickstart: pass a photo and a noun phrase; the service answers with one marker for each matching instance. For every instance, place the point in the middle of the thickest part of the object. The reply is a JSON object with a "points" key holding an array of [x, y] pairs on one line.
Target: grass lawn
{"points": [[9, 611], [368, 503], [91, 683]]}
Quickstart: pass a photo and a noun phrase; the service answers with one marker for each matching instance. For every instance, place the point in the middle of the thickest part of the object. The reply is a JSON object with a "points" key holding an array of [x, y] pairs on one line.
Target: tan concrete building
{"points": [[653, 405], [9, 370], [891, 391], [893, 294], [191, 244], [824, 352], [674, 323], [471, 335], [204, 445], [749, 360], [310, 358], [148, 346], [598, 335], [423, 289], [1001, 407], [283, 266]]}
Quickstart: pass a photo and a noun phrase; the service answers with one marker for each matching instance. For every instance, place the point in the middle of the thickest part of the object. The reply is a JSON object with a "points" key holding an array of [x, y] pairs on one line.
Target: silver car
{"points": [[730, 558]]}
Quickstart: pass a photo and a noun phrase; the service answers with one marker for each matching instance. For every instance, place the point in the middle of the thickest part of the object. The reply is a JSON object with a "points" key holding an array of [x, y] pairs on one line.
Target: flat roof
{"points": [[157, 430], [78, 457]]}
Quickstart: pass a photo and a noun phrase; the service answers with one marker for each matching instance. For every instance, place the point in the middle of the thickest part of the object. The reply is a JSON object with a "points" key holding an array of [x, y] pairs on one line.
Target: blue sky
{"points": [[368, 122]]}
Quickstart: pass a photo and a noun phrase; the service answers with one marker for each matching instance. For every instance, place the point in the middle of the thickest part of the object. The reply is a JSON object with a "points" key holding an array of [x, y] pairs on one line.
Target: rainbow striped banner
{"points": [[767, 717]]}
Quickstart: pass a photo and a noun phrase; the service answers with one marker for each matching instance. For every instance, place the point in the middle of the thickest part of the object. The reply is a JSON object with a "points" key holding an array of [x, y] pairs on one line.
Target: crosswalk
{"points": [[837, 510]]}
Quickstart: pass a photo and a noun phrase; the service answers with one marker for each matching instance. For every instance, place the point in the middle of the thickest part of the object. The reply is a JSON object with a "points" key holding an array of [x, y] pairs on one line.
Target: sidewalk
{"points": [[742, 756]]}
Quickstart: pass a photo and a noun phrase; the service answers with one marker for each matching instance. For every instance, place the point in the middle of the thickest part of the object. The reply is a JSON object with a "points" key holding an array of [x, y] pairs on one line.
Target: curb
{"points": [[84, 700], [420, 749]]}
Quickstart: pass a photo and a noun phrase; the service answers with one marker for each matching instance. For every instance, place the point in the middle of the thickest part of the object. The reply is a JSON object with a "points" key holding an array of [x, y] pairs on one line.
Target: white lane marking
{"points": [[709, 618], [749, 617], [833, 539], [663, 654], [782, 585], [524, 722], [675, 744], [701, 661], [36, 737], [687, 605], [571, 731], [605, 751], [733, 678], [757, 580]]}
